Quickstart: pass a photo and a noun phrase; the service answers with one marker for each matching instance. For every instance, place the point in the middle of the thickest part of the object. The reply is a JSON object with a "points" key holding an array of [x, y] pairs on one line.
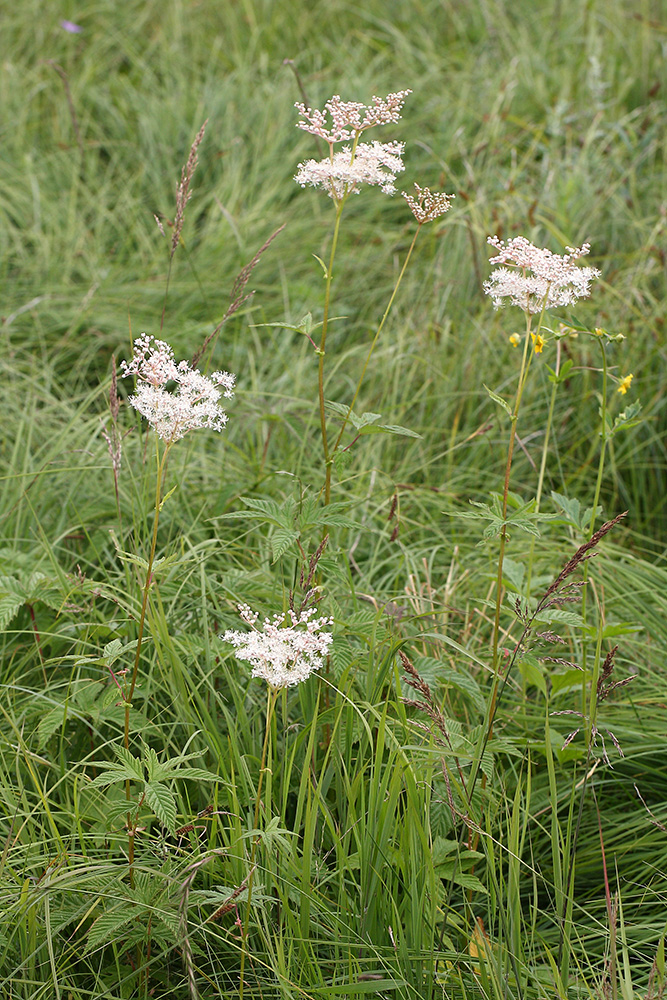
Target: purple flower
{"points": [[74, 29]]}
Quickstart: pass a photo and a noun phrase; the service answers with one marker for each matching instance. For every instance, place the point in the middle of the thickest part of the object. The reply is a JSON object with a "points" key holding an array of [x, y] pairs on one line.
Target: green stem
{"points": [[543, 465], [375, 339], [596, 499], [525, 364], [523, 375], [272, 695], [137, 655], [321, 349]]}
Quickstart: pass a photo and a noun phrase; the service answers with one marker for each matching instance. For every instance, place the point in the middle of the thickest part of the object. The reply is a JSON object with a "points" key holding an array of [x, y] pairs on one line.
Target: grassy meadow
{"points": [[469, 797]]}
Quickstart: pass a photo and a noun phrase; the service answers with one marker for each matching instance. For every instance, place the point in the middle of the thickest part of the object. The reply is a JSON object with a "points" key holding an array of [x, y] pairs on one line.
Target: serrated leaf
{"points": [[197, 774], [560, 616], [368, 419], [565, 681], [514, 573], [611, 631], [161, 800], [109, 922], [50, 724], [281, 540], [10, 604], [112, 650], [571, 507], [499, 400], [131, 762], [532, 674], [153, 767], [112, 774], [390, 429]]}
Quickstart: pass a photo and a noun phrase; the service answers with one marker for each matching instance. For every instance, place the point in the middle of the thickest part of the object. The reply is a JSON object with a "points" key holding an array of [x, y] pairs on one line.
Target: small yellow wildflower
{"points": [[515, 340], [599, 331], [538, 342], [625, 384]]}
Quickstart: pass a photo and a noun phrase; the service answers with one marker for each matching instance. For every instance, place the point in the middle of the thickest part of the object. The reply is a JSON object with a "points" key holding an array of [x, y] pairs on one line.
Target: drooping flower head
{"points": [[427, 205], [282, 654], [373, 163], [536, 275], [194, 401]]}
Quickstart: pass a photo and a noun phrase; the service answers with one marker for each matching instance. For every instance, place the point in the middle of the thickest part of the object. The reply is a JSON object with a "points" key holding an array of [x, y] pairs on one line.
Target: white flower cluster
{"points": [[281, 654], [342, 172], [554, 278], [347, 122], [372, 163], [193, 403]]}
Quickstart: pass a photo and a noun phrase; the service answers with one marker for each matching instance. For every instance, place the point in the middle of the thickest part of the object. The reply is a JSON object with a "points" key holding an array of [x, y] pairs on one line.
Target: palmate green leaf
{"points": [[161, 800], [572, 509], [367, 423], [282, 515], [161, 769]]}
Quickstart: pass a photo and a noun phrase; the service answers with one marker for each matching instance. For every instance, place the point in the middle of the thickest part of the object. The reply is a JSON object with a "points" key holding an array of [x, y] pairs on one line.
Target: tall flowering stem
{"points": [[192, 404], [523, 374], [596, 499], [535, 280], [341, 174], [283, 655]]}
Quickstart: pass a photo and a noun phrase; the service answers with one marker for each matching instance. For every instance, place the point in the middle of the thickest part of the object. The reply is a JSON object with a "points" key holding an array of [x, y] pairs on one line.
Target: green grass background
{"points": [[546, 120]]}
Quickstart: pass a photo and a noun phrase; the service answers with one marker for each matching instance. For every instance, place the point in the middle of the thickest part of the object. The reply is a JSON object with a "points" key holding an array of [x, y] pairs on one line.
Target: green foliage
{"points": [[384, 831]]}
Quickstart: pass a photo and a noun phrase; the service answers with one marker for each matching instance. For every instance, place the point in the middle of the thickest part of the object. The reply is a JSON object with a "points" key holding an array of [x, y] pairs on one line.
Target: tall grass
{"points": [[379, 869]]}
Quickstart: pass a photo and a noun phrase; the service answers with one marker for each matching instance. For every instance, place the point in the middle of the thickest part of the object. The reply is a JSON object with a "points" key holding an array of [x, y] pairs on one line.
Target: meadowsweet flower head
{"points": [[427, 205], [536, 276], [350, 118], [282, 654], [194, 401], [624, 384], [538, 342], [340, 174]]}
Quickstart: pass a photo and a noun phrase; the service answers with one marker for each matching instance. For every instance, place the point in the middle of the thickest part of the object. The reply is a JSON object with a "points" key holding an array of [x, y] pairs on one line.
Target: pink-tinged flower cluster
{"points": [[349, 118], [282, 654], [427, 205], [372, 163], [342, 172], [537, 276], [194, 401]]}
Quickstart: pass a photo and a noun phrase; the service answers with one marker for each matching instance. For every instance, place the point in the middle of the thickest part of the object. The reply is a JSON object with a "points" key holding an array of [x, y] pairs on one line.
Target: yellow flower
{"points": [[515, 340], [625, 384], [599, 331], [538, 342]]}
